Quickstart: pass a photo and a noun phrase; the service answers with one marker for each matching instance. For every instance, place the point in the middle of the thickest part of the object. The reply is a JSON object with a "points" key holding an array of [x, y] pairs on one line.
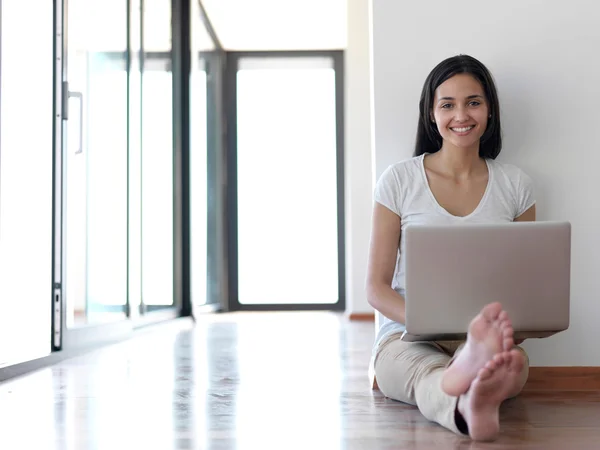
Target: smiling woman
{"points": [[452, 179], [460, 93], [465, 115]]}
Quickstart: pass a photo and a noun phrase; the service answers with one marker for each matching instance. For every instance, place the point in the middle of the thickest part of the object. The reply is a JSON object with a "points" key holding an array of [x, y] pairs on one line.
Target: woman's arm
{"points": [[385, 238]]}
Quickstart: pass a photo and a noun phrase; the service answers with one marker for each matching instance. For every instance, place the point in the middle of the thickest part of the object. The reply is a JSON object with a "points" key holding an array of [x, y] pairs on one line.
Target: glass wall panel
{"points": [[26, 152], [201, 47], [95, 164], [135, 158], [287, 181], [198, 175], [157, 155]]}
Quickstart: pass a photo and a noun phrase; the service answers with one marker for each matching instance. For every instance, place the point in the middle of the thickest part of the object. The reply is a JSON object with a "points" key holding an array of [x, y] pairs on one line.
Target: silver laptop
{"points": [[452, 271]]}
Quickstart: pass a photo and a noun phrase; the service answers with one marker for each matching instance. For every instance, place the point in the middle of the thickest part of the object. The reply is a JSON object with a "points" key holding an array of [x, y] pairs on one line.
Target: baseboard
{"points": [[362, 317], [563, 379], [556, 379]]}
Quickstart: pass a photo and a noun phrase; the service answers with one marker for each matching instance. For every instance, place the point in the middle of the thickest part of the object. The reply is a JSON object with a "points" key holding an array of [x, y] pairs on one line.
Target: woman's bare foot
{"points": [[490, 332], [493, 384]]}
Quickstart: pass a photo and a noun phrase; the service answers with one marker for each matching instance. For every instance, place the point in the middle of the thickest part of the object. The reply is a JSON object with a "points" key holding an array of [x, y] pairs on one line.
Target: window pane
{"points": [[198, 159], [157, 156], [95, 164], [200, 37], [135, 160], [287, 182], [198, 180], [157, 25], [26, 118], [157, 189]]}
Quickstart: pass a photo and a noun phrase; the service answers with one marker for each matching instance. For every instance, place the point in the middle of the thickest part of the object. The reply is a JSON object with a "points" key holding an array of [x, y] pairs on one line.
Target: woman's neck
{"points": [[458, 163]]}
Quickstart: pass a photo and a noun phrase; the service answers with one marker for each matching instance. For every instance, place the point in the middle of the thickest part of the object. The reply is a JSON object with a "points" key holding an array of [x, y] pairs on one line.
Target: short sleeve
{"points": [[525, 195], [388, 190]]}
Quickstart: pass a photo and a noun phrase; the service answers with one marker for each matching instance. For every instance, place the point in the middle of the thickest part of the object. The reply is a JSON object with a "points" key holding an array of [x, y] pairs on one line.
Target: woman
{"points": [[452, 178]]}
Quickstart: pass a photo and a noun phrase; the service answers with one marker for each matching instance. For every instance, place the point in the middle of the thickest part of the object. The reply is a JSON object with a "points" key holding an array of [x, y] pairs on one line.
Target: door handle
{"points": [[79, 97]]}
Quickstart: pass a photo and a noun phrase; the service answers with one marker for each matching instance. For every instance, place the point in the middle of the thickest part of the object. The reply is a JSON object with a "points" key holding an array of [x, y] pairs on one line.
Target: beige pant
{"points": [[411, 372]]}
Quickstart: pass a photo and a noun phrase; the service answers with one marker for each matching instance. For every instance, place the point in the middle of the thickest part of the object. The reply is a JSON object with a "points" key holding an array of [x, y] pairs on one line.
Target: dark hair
{"points": [[429, 139]]}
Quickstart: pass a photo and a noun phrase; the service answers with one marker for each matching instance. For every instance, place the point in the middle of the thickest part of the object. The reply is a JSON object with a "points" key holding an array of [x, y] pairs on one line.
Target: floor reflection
{"points": [[252, 381]]}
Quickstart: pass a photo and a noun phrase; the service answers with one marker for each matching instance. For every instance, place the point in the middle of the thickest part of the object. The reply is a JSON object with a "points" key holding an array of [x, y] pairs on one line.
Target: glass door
{"points": [[95, 163], [198, 182], [207, 226], [157, 196], [200, 43], [288, 157], [26, 146]]}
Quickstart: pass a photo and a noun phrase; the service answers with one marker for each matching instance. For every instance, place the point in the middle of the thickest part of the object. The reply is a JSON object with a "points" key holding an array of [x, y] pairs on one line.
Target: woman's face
{"points": [[460, 111]]}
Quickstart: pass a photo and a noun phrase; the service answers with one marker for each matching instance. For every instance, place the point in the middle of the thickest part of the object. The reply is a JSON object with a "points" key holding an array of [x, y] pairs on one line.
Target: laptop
{"points": [[453, 271]]}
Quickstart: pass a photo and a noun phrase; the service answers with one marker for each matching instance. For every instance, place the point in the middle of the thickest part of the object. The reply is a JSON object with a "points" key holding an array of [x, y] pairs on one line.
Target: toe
{"points": [[505, 330], [516, 361], [508, 341], [493, 363], [490, 365], [484, 373], [499, 358], [507, 333], [503, 316], [492, 311]]}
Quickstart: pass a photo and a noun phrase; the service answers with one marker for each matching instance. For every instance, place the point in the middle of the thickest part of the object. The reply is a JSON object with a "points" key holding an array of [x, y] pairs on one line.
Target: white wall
{"points": [[358, 157], [546, 60]]}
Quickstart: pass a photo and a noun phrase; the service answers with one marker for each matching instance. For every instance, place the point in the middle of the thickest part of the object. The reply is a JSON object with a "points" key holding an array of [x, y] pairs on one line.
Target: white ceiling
{"points": [[279, 24]]}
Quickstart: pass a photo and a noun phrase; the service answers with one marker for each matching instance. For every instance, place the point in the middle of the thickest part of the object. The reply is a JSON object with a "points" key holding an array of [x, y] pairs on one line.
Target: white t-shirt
{"points": [[403, 188]]}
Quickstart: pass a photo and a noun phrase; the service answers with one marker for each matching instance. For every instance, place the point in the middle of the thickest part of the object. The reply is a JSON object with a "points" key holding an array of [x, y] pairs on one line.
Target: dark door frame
{"points": [[230, 84]]}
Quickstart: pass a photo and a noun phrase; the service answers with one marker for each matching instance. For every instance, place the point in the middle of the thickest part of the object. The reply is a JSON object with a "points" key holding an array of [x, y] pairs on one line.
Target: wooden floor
{"points": [[254, 381]]}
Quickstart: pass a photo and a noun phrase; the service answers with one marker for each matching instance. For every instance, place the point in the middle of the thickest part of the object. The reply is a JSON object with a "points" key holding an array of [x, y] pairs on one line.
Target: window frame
{"points": [[230, 83]]}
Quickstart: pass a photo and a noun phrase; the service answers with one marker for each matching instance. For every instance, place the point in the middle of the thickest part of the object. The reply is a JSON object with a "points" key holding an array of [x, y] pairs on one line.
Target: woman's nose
{"points": [[461, 114]]}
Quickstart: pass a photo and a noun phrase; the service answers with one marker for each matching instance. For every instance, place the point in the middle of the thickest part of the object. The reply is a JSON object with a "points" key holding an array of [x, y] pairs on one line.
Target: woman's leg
{"points": [[411, 372]]}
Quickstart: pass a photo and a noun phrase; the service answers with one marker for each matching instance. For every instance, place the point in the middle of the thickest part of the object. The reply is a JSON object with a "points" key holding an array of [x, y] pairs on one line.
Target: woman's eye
{"points": [[475, 103], [446, 106]]}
